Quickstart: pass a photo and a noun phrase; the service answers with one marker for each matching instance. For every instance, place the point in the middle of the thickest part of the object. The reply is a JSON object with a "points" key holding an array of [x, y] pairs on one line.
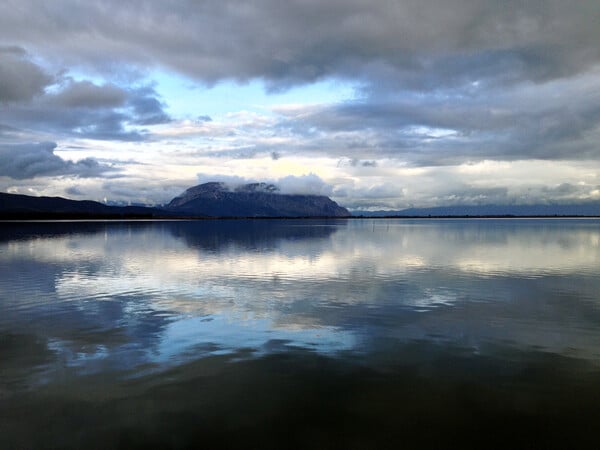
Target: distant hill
{"points": [[255, 200], [582, 209], [252, 200], [16, 206], [205, 200]]}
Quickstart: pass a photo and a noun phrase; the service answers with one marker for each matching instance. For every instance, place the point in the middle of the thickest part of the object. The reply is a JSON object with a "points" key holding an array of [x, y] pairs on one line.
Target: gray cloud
{"points": [[74, 191], [7, 132], [305, 40], [20, 79], [457, 67], [88, 111], [62, 106], [85, 94], [354, 162], [72, 122], [22, 161], [472, 195], [558, 120], [146, 108]]}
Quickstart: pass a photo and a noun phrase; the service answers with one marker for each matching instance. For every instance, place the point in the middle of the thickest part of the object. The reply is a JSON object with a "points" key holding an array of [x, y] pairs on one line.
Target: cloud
{"points": [[62, 106], [450, 66], [132, 190], [146, 108], [305, 40], [475, 195], [354, 162], [85, 94], [20, 79], [8, 133], [232, 181], [552, 120], [86, 110], [74, 191], [309, 184], [22, 161]]}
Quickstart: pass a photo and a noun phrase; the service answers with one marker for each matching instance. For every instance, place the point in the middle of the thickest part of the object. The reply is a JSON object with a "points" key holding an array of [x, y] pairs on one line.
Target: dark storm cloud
{"points": [[304, 40], [30, 160]]}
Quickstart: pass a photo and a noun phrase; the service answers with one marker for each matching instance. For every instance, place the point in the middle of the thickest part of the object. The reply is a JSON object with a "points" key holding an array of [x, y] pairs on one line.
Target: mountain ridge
{"points": [[216, 199]]}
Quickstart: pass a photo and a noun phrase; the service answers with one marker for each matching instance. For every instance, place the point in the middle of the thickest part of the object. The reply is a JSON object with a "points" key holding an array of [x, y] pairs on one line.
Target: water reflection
{"points": [[107, 295], [387, 307]]}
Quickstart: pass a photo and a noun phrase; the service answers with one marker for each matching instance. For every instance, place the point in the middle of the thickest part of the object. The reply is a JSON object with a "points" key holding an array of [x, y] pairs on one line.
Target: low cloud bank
{"points": [[309, 184]]}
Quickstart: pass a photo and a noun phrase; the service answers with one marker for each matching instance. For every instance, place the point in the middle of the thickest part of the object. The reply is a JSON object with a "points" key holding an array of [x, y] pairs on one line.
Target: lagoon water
{"points": [[300, 334]]}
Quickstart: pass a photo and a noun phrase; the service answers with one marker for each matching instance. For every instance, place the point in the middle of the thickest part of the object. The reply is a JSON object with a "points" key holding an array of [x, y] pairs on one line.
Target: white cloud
{"points": [[304, 184]]}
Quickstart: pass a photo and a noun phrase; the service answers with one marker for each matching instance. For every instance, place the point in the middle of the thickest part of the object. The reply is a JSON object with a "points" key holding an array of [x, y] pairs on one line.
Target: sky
{"points": [[377, 104]]}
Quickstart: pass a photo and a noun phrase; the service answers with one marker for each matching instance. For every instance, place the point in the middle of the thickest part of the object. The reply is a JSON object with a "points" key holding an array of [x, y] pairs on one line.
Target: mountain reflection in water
{"points": [[300, 334]]}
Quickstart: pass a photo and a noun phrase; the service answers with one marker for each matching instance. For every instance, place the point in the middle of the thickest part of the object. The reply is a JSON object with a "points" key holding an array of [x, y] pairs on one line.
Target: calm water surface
{"points": [[300, 334]]}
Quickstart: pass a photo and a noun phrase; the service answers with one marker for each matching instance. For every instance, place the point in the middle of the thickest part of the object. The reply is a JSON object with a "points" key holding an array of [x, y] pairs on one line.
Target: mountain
{"points": [[581, 209], [16, 206], [205, 200], [252, 200]]}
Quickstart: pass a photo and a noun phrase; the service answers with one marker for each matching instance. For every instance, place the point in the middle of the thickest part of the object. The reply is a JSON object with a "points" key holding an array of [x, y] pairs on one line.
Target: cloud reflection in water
{"points": [[110, 296]]}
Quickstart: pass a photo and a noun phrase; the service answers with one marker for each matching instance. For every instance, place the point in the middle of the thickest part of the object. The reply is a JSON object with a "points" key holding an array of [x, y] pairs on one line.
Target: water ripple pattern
{"points": [[119, 296]]}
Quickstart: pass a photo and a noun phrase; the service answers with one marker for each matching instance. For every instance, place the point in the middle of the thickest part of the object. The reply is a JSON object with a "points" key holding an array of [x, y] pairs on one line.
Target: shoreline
{"points": [[17, 218]]}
